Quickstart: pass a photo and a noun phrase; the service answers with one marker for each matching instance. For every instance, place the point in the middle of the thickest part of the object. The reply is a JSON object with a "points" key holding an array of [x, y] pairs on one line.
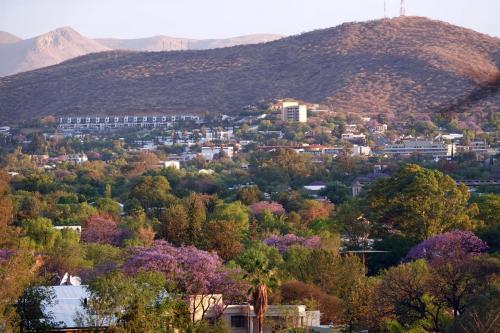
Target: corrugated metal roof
{"points": [[67, 303]]}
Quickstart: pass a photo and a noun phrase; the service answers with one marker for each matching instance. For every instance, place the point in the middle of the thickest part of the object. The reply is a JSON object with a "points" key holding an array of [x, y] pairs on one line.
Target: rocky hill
{"points": [[17, 55], [166, 43], [8, 38], [401, 65], [45, 50]]}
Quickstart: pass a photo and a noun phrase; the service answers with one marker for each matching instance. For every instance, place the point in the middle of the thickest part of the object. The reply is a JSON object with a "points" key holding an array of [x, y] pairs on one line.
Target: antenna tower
{"points": [[402, 9], [385, 9]]}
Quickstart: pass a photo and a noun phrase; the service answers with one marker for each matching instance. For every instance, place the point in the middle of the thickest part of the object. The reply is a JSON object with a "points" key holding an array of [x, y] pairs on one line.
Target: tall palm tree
{"points": [[262, 279]]}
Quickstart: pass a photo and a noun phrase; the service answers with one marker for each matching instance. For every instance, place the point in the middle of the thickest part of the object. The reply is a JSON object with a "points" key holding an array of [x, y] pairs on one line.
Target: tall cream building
{"points": [[294, 112]]}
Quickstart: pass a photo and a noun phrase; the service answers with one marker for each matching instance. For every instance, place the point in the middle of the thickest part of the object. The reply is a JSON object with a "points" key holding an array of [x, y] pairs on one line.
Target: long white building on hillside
{"points": [[423, 147], [113, 122]]}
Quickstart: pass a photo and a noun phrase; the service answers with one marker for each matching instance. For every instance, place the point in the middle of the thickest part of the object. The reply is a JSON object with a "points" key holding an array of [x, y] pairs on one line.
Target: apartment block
{"points": [[294, 112], [115, 122]]}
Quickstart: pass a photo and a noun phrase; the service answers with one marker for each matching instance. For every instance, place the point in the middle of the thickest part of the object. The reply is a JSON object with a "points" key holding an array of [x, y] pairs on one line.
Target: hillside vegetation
{"points": [[393, 66]]}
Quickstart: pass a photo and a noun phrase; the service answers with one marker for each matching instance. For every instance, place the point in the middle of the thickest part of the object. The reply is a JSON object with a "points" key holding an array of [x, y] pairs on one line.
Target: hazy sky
{"points": [[226, 18]]}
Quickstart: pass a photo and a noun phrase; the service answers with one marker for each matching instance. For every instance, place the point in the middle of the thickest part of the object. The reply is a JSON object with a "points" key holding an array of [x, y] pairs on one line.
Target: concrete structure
{"points": [[208, 153], [294, 112], [69, 303], [77, 158], [423, 147], [378, 129], [352, 136], [319, 150], [242, 319], [480, 147], [171, 164], [76, 228], [362, 181], [115, 122]]}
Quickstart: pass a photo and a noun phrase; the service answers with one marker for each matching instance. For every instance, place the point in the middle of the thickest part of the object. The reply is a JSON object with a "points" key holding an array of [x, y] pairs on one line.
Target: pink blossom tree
{"points": [[274, 207], [450, 244], [283, 243], [198, 274], [103, 230]]}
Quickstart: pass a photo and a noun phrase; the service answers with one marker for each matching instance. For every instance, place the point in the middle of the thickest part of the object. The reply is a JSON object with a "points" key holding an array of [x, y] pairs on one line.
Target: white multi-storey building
{"points": [[293, 111], [113, 122], [424, 147], [208, 153]]}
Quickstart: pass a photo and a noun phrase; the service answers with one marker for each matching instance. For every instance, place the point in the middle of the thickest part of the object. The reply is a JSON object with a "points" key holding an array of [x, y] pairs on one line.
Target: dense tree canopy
{"points": [[418, 203]]}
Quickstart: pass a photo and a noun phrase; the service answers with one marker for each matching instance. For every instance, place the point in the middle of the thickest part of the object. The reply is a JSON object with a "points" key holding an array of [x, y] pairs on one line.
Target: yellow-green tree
{"points": [[418, 203]]}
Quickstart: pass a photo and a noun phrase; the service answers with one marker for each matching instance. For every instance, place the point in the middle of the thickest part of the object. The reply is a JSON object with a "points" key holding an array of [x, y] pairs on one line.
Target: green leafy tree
{"points": [[418, 203], [127, 304], [223, 237], [351, 288], [197, 215], [67, 255], [336, 192], [41, 232], [489, 209], [28, 205], [174, 224], [151, 191], [32, 310], [404, 292], [354, 224], [249, 195], [234, 211], [259, 252], [108, 206]]}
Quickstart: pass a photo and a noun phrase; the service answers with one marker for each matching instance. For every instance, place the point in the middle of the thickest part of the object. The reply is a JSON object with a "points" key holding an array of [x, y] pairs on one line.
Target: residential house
{"points": [[208, 153], [69, 301], [242, 319], [171, 164]]}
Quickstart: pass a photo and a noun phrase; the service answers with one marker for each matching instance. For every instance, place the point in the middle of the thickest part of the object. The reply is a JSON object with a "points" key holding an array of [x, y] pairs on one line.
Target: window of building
{"points": [[238, 321]]}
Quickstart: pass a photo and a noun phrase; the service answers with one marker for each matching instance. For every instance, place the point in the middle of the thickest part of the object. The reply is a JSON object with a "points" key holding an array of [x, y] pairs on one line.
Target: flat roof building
{"points": [[114, 122], [294, 112], [423, 147]]}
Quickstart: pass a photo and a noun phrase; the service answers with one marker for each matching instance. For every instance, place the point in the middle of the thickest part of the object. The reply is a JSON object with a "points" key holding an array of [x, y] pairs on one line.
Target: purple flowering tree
{"points": [[283, 243], [274, 207], [198, 274], [102, 229], [450, 244]]}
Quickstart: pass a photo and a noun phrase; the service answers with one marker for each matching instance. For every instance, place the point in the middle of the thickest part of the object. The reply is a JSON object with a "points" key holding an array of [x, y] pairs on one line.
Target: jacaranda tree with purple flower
{"points": [[283, 243], [458, 271], [198, 274], [453, 243]]}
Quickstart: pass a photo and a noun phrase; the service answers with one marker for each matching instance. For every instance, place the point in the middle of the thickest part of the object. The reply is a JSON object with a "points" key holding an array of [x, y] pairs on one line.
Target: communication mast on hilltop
{"points": [[402, 9], [385, 10]]}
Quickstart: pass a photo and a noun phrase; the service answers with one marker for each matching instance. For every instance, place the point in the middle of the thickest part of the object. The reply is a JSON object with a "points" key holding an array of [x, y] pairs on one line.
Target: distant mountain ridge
{"points": [[45, 50], [166, 43], [17, 55], [394, 66], [8, 38]]}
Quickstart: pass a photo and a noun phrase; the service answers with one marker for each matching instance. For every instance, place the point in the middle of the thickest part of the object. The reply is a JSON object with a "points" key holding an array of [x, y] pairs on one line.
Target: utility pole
{"points": [[402, 9]]}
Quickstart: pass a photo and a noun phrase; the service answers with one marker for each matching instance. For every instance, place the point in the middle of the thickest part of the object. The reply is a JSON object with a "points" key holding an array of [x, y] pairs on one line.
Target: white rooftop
{"points": [[67, 303]]}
